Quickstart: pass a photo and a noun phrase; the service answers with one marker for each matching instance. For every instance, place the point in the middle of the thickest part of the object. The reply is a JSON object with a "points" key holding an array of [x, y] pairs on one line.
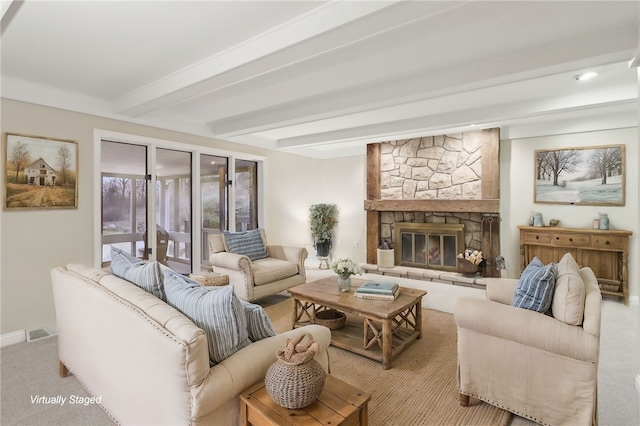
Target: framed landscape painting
{"points": [[590, 176], [41, 173]]}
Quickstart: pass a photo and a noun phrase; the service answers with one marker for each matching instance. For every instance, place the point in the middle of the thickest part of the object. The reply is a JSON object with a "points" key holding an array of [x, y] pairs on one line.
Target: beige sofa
{"points": [[541, 367], [147, 361], [253, 280]]}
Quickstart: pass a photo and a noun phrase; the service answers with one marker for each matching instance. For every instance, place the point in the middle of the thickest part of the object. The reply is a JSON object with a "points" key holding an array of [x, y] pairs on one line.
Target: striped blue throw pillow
{"points": [[535, 287], [146, 275], [214, 309], [248, 243], [258, 322]]}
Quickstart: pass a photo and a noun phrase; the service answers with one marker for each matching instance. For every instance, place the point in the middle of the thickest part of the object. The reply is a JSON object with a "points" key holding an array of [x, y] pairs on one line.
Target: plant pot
{"points": [[323, 248], [386, 258]]}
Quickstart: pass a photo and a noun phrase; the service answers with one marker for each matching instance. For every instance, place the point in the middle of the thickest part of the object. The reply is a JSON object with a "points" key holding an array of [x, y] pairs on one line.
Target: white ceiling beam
{"points": [[321, 20], [465, 117], [559, 59]]}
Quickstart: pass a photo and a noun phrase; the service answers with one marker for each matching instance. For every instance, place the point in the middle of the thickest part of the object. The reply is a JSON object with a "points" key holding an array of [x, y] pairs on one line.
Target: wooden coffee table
{"points": [[338, 404], [377, 329]]}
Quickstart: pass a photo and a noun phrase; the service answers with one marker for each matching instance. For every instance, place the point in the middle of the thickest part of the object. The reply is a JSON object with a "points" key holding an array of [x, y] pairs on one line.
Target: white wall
{"points": [[517, 186]]}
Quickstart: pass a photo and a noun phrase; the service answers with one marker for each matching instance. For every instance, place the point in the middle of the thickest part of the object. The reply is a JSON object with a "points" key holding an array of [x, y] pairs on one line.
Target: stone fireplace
{"points": [[418, 185]]}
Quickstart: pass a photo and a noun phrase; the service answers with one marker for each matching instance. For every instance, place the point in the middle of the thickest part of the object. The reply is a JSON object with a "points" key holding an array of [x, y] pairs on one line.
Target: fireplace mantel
{"points": [[456, 206]]}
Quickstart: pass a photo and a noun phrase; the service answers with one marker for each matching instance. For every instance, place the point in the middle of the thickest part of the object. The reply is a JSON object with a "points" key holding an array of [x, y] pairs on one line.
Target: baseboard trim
{"points": [[638, 383], [13, 338]]}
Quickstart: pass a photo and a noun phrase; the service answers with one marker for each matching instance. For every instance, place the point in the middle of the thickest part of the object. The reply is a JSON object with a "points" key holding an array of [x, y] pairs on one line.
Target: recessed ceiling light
{"points": [[586, 76]]}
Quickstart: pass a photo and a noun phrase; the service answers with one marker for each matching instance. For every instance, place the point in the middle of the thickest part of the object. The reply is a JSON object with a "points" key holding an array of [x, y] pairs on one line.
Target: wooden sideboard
{"points": [[605, 252]]}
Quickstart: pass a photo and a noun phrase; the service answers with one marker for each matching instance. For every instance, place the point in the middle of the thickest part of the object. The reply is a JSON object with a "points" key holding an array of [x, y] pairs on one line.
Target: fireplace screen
{"points": [[434, 246]]}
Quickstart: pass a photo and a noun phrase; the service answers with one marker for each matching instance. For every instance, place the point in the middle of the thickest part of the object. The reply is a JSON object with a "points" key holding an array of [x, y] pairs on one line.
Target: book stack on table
{"points": [[379, 291]]}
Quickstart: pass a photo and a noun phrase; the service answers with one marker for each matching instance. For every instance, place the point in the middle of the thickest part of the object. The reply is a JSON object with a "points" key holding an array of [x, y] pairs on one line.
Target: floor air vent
{"points": [[41, 333]]}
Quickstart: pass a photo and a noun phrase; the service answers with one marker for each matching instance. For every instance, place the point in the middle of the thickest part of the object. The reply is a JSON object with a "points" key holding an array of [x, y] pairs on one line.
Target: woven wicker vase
{"points": [[296, 380]]}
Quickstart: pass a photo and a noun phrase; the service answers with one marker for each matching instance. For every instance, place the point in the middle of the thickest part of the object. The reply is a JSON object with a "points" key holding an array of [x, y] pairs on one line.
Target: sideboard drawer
{"points": [[571, 240], [534, 237], [614, 243]]}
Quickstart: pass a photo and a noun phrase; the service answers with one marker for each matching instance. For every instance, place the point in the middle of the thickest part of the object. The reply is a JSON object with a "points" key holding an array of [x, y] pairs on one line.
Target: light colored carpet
{"points": [[424, 375]]}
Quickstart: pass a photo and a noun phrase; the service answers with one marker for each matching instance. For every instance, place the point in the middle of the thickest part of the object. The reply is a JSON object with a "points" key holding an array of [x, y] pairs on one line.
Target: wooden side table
{"points": [[338, 404]]}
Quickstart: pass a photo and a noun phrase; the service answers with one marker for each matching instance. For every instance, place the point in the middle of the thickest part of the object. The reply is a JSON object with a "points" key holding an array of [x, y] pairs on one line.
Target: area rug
{"points": [[420, 388]]}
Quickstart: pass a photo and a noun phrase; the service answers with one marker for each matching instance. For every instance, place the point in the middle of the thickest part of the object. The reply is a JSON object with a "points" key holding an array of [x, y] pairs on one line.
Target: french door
{"points": [[160, 200], [148, 215]]}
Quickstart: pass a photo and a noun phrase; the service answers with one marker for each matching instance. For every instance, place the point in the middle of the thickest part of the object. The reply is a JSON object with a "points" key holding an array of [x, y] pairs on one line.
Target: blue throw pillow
{"points": [[146, 275], [258, 322], [215, 309], [536, 286], [248, 243]]}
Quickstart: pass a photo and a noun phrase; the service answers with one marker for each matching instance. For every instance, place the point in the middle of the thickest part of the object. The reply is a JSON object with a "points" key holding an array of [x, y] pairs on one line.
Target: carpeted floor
{"points": [[420, 388]]}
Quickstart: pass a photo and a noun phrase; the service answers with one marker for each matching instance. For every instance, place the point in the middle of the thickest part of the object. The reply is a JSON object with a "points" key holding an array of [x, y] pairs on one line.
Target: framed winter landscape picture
{"points": [[40, 172], [590, 176]]}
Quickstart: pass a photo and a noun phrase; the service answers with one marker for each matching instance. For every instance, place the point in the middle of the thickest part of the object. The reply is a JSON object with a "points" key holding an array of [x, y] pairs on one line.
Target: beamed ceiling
{"points": [[323, 78]]}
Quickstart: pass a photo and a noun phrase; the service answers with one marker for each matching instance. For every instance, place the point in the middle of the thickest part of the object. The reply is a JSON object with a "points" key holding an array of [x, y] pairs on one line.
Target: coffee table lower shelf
{"points": [[352, 338], [338, 404]]}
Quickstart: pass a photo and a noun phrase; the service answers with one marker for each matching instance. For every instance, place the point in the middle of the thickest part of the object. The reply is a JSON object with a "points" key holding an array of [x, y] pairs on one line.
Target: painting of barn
{"points": [[40, 173]]}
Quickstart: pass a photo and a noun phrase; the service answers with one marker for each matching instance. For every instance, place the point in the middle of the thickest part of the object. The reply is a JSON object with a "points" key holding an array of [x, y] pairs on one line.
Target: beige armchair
{"points": [[531, 364], [252, 280]]}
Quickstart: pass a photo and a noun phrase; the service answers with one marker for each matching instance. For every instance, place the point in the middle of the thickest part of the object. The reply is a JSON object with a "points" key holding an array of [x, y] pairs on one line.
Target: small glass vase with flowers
{"points": [[345, 268]]}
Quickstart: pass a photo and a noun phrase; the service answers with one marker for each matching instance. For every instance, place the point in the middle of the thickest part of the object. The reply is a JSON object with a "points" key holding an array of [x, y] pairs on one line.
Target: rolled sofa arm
{"points": [[525, 327], [501, 289], [238, 268], [228, 260]]}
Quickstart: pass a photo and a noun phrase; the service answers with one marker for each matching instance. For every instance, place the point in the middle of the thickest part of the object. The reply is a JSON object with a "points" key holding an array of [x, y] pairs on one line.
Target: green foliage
{"points": [[323, 218]]}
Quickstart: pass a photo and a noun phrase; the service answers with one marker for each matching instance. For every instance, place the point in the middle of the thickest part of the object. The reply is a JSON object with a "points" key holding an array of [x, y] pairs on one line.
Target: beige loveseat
{"points": [[148, 362], [252, 280], [543, 367]]}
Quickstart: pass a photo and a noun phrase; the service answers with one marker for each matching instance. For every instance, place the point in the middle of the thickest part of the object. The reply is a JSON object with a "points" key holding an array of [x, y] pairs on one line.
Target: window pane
{"points": [[173, 209], [213, 194], [124, 210], [246, 192]]}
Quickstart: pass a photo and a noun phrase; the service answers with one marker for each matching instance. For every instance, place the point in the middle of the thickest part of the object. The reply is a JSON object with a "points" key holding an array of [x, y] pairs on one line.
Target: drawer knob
{"points": [[570, 239], [537, 237], [557, 238], [607, 242]]}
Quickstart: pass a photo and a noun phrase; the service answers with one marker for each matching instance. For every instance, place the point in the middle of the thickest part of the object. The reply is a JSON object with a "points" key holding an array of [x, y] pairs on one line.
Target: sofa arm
{"points": [[501, 290], [233, 261], [249, 366], [526, 327]]}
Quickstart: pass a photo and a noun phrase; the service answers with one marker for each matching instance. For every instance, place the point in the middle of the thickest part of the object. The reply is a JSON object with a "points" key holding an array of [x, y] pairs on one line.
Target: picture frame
{"points": [[589, 176], [40, 172]]}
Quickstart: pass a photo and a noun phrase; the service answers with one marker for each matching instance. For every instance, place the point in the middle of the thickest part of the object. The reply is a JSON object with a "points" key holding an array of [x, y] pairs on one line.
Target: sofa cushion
{"points": [[214, 309], [258, 322], [535, 287], [146, 275], [271, 269], [569, 295], [248, 243]]}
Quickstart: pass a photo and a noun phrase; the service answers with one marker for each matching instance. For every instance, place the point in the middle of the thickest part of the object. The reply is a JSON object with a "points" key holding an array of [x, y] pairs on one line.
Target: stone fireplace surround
{"points": [[457, 183]]}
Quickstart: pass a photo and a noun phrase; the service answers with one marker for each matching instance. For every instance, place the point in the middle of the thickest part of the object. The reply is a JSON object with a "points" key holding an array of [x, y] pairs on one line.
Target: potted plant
{"points": [[323, 217]]}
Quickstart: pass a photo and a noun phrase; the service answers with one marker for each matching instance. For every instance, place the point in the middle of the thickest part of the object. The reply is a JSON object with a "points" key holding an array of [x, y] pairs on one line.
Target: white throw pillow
{"points": [[568, 299]]}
